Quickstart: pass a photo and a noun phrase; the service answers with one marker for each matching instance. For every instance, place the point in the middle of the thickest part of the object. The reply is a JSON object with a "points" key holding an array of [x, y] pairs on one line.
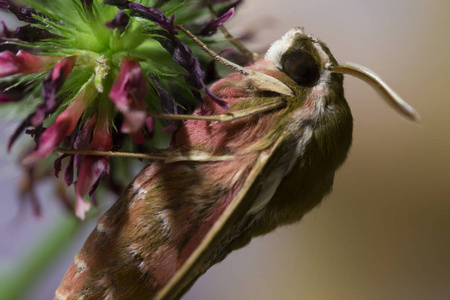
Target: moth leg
{"points": [[167, 156], [224, 118], [235, 42], [260, 80]]}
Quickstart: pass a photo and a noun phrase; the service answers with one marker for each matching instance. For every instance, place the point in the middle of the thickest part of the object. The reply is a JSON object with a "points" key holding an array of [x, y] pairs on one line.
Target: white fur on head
{"points": [[278, 48]]}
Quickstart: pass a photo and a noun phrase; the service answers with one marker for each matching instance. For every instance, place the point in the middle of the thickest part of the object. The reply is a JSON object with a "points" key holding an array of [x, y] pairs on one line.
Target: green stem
{"points": [[14, 285]]}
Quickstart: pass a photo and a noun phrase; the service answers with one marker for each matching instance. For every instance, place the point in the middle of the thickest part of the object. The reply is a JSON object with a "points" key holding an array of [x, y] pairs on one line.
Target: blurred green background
{"points": [[384, 233]]}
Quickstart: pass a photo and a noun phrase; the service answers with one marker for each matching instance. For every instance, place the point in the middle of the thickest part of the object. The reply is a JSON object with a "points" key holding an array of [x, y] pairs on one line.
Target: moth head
{"points": [[302, 57], [309, 63]]}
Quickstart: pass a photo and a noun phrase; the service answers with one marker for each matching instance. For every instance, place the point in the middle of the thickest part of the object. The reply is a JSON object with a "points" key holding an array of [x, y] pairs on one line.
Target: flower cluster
{"points": [[92, 71]]}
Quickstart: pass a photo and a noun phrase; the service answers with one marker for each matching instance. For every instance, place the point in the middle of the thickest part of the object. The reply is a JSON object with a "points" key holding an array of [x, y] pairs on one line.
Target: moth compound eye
{"points": [[301, 67]]}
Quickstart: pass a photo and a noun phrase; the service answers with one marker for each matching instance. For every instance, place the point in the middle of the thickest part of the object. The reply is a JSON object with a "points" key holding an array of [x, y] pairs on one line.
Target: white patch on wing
{"points": [[109, 291], [143, 268], [164, 216], [59, 296], [140, 195], [102, 228], [80, 264], [133, 251]]}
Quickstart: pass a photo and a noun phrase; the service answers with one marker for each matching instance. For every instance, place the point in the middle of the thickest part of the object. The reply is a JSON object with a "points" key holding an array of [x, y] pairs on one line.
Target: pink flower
{"points": [[128, 93], [64, 125], [22, 63], [51, 85], [91, 168]]}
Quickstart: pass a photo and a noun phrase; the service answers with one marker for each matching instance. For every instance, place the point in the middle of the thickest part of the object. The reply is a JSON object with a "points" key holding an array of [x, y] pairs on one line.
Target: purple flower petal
{"points": [[32, 34], [228, 7], [120, 21], [168, 104], [63, 126], [51, 137], [57, 164], [92, 168], [209, 28], [128, 93], [51, 85], [14, 40], [216, 99], [183, 56], [90, 171], [10, 97], [153, 14], [149, 13], [121, 4], [68, 175], [129, 88], [22, 14], [84, 136]]}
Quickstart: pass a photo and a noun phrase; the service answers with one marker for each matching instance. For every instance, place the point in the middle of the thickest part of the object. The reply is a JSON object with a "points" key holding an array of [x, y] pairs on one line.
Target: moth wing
{"points": [[236, 210]]}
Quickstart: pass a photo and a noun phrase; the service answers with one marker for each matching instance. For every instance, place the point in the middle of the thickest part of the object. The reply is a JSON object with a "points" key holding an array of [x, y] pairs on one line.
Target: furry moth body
{"points": [[177, 219]]}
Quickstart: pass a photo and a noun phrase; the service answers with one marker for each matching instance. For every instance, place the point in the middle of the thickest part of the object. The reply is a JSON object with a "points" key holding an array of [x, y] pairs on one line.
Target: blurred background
{"points": [[384, 232]]}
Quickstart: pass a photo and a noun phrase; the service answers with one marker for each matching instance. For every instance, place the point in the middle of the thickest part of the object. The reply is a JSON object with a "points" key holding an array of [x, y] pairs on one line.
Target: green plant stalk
{"points": [[15, 284]]}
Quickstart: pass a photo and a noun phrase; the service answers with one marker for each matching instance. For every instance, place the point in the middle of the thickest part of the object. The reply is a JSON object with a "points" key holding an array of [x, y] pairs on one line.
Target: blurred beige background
{"points": [[384, 233]]}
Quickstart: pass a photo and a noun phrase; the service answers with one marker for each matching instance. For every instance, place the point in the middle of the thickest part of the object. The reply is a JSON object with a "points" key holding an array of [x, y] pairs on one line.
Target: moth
{"points": [[230, 176]]}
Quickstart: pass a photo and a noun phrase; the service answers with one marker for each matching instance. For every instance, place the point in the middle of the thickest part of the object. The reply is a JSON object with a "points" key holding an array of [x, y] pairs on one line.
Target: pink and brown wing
{"points": [[165, 214], [151, 230]]}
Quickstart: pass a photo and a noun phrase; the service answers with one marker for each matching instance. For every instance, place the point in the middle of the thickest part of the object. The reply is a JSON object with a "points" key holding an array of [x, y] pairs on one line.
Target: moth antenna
{"points": [[166, 157], [235, 42], [380, 87], [260, 80]]}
